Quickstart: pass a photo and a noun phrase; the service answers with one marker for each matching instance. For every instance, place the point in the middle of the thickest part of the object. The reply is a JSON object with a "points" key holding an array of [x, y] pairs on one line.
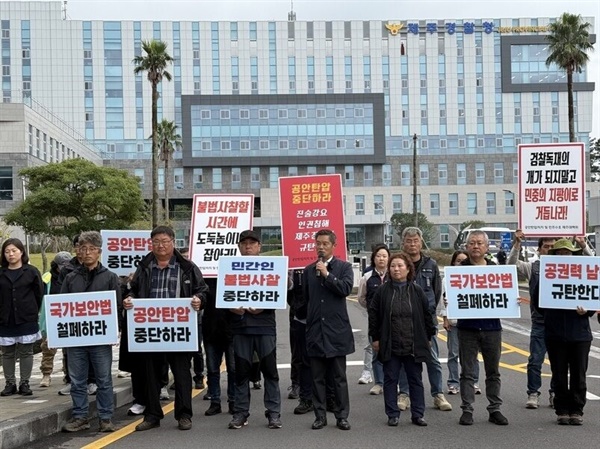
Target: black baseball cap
{"points": [[250, 234]]}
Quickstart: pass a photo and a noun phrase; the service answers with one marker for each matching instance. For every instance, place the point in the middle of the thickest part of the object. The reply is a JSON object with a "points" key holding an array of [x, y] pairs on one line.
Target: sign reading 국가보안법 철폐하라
{"points": [[489, 291], [569, 281], [162, 325], [217, 221], [260, 282], [123, 250], [552, 189], [81, 319], [309, 204]]}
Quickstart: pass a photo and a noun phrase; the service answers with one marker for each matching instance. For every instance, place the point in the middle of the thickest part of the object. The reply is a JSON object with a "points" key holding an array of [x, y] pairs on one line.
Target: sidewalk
{"points": [[24, 419]]}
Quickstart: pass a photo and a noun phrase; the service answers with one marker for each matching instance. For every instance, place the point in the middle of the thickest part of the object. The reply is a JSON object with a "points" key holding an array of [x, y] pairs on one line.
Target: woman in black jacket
{"points": [[401, 327], [21, 291]]}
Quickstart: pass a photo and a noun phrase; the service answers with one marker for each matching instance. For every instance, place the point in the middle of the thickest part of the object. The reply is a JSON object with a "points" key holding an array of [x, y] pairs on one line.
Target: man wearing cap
{"points": [[51, 288], [568, 341], [254, 331]]}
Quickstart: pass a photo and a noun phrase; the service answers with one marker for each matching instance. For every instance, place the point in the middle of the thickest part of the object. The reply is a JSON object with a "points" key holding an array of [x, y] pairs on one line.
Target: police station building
{"points": [[255, 101]]}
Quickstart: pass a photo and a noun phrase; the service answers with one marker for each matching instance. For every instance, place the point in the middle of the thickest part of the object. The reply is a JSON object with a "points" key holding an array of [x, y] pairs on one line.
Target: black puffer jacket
{"points": [[22, 298]]}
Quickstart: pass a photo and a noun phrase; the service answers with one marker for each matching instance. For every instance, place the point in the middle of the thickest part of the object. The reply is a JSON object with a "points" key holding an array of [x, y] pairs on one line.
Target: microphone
{"points": [[321, 256]]}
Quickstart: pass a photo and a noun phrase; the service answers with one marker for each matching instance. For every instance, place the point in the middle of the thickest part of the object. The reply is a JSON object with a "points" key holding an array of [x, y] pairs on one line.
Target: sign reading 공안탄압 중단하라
{"points": [[569, 281], [123, 250], [162, 325], [552, 189], [489, 291]]}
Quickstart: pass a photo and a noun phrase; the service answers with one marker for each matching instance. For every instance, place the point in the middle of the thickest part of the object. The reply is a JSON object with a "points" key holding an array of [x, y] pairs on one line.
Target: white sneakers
{"points": [[376, 389], [92, 388], [439, 401], [136, 409], [403, 402], [164, 394], [533, 401], [45, 382], [365, 378], [65, 391]]}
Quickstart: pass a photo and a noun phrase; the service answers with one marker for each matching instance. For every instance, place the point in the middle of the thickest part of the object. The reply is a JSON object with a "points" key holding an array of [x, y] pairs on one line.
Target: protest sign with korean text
{"points": [[217, 222], [309, 204], [162, 325], [81, 319], [552, 189], [569, 281], [258, 282], [122, 250], [489, 291]]}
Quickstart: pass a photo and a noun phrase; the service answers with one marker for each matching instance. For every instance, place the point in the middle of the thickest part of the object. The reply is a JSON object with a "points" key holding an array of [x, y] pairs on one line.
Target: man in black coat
{"points": [[329, 338]]}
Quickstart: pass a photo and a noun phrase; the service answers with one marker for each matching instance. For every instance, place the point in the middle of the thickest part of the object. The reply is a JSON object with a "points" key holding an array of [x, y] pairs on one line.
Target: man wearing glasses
{"points": [[164, 273], [91, 276]]}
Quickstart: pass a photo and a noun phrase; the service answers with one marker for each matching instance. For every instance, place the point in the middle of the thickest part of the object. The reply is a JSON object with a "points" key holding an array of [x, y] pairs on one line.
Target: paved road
{"points": [[528, 428]]}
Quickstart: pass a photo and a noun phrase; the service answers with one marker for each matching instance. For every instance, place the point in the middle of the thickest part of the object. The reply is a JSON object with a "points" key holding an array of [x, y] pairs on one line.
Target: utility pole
{"points": [[415, 213]]}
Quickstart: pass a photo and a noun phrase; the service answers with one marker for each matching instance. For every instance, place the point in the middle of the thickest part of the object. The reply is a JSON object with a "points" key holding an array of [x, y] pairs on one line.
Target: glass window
{"points": [[386, 174], [273, 177], [368, 175], [434, 204], [292, 171], [461, 174], [472, 203], [255, 177], [311, 170], [498, 173], [405, 174], [424, 174], [197, 178], [178, 178], [236, 178], [453, 203], [139, 172], [490, 201], [509, 202], [396, 204], [378, 207], [217, 181], [442, 174], [359, 201], [349, 176], [480, 173]]}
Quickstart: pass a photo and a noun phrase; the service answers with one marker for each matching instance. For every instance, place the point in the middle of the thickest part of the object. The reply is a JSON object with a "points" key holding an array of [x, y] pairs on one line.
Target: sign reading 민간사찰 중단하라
{"points": [[567, 282], [217, 221], [81, 319], [260, 282], [162, 325], [309, 204], [552, 189], [490, 291], [122, 250]]}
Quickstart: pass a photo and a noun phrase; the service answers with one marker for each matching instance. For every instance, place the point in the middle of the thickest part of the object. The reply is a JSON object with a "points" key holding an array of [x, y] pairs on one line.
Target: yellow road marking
{"points": [[130, 428]]}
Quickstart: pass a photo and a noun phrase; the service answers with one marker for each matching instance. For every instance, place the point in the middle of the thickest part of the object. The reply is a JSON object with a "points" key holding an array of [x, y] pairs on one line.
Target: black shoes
{"points": [[304, 406], [214, 409], [199, 383], [184, 423], [147, 425], [498, 418], [393, 422], [238, 422], [24, 389], [9, 390], [343, 424], [466, 419], [330, 406], [274, 421], [319, 423], [419, 422], [294, 391]]}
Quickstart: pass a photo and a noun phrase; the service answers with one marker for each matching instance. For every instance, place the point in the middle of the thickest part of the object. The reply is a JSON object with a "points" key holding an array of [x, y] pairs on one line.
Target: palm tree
{"points": [[168, 142], [569, 40], [155, 63]]}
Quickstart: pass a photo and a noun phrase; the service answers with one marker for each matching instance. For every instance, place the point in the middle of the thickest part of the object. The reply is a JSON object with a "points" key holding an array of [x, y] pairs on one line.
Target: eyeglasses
{"points": [[88, 249], [161, 242]]}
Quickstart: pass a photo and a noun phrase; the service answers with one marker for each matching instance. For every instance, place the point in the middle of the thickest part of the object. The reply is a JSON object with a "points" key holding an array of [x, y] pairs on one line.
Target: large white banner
{"points": [[569, 281], [217, 221], [552, 189], [82, 319], [260, 282], [122, 250], [490, 291], [162, 325]]}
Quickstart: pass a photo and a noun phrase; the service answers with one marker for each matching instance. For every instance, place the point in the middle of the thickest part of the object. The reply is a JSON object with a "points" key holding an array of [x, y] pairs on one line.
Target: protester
{"points": [[568, 340], [21, 292], [164, 273], [254, 335], [452, 336], [329, 338], [50, 288], [91, 276], [366, 289], [480, 335]]}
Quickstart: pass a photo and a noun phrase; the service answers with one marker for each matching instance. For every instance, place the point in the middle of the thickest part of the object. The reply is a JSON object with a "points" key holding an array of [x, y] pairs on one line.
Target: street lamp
{"points": [[415, 216]]}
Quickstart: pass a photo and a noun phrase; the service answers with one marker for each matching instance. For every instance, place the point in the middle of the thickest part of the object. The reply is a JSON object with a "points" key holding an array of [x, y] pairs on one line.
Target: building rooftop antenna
{"points": [[292, 14]]}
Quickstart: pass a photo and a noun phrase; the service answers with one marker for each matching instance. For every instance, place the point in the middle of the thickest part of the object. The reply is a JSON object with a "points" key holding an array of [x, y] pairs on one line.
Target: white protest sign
{"points": [[122, 250]]}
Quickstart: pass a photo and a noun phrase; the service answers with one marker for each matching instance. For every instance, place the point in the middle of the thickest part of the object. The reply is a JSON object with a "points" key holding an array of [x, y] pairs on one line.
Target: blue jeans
{"points": [[373, 364], [470, 342], [434, 372], [453, 368], [413, 370], [79, 359], [214, 355], [537, 352]]}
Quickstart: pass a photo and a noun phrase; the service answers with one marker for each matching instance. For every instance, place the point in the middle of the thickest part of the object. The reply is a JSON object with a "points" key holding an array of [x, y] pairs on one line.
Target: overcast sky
{"points": [[343, 10]]}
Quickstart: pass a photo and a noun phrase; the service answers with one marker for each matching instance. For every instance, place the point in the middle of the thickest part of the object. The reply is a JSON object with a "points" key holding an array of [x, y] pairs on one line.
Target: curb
{"points": [[36, 425]]}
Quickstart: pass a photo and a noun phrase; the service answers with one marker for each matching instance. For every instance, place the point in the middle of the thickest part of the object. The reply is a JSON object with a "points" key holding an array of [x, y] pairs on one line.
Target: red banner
{"points": [[309, 204]]}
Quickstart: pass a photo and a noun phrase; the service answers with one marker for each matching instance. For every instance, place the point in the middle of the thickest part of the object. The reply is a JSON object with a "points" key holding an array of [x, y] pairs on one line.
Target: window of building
{"points": [[434, 204], [321, 144], [244, 114], [340, 113], [263, 144], [498, 173], [424, 174], [453, 203], [302, 144], [349, 176], [225, 114], [405, 175], [340, 143], [205, 114], [217, 181], [263, 113], [284, 144], [282, 113], [472, 203], [386, 174], [301, 113], [311, 170], [321, 113], [178, 179], [236, 178], [244, 145], [205, 145], [225, 145], [396, 204], [138, 172], [292, 171], [461, 174], [509, 202], [197, 178], [442, 174], [480, 173], [368, 175], [255, 178], [490, 202], [378, 207], [359, 201], [273, 177]]}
